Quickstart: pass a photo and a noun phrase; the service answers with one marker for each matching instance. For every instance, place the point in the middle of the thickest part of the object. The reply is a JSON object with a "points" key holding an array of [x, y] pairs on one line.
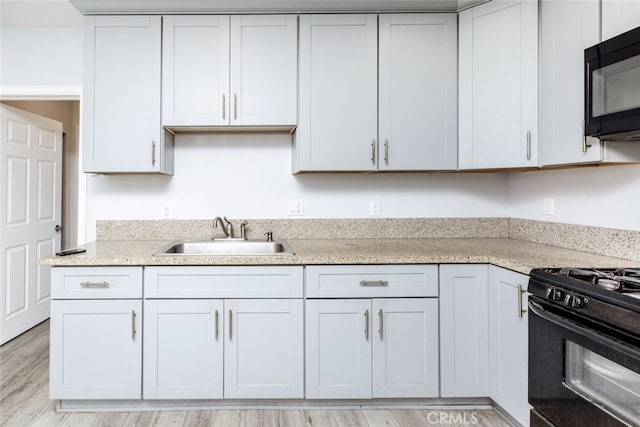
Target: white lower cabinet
{"points": [[359, 348], [96, 340], [464, 330], [508, 342], [204, 348], [183, 349], [263, 353], [405, 347], [338, 349]]}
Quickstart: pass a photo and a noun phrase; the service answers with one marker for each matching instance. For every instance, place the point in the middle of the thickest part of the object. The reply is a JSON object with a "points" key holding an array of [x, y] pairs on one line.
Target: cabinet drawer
{"points": [[223, 282], [358, 281], [96, 282]]}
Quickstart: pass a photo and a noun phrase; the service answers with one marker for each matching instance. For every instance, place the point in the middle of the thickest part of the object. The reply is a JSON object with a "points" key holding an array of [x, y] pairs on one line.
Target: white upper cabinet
{"points": [[340, 127], [221, 70], [418, 115], [121, 96], [264, 74], [498, 85], [195, 70], [566, 29], [338, 117], [619, 16]]}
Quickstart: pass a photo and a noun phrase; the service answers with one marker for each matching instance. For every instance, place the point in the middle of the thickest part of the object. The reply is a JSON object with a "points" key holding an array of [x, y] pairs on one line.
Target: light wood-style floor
{"points": [[24, 401]]}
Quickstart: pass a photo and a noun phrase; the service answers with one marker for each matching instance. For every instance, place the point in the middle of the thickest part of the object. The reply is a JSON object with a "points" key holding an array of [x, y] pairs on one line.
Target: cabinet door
{"points": [[183, 349], [96, 349], [405, 347], [464, 331], [337, 124], [195, 71], [508, 342], [566, 29], [264, 75], [338, 349], [498, 84], [121, 98], [264, 349], [619, 16], [418, 119]]}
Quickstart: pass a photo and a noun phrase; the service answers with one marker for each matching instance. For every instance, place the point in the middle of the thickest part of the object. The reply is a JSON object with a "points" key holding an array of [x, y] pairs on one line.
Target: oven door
{"points": [[579, 375], [612, 87]]}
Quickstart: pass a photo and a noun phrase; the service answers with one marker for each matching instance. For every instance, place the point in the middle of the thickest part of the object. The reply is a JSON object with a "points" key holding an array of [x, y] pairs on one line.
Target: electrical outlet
{"points": [[548, 206], [295, 207], [169, 211], [374, 208]]}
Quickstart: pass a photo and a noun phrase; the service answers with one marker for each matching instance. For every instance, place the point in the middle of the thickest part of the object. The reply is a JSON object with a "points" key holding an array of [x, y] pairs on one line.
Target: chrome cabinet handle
{"points": [[133, 325], [386, 151], [521, 311], [235, 106], [366, 324], [94, 284], [381, 322], [216, 323], [153, 153], [230, 324], [373, 151], [528, 145], [224, 106], [374, 283]]}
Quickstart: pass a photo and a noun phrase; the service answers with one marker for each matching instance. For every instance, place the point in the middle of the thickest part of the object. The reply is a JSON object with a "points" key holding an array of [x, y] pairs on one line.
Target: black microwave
{"points": [[612, 88]]}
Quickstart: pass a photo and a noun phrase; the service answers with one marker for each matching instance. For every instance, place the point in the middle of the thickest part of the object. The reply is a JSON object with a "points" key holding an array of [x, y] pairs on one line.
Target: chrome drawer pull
{"points": [[374, 283], [133, 325], [380, 316], [216, 324], [366, 324], [521, 311], [224, 107], [94, 284]]}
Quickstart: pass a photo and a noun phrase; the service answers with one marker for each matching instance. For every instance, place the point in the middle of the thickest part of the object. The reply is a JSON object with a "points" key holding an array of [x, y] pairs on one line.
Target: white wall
{"points": [[249, 176], [40, 56], [606, 196]]}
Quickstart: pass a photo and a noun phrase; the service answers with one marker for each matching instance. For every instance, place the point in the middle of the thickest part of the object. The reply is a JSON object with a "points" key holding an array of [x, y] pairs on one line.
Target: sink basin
{"points": [[227, 247]]}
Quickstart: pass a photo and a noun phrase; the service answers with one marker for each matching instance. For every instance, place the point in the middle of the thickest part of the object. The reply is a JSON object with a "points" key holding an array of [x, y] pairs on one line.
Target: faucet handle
{"points": [[243, 230], [269, 235]]}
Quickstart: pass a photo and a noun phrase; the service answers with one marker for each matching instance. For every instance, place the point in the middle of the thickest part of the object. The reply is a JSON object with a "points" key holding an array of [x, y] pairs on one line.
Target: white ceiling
{"points": [[68, 13]]}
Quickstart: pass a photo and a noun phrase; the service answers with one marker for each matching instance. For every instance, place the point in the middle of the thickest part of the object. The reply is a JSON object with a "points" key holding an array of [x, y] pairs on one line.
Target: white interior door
{"points": [[30, 209]]}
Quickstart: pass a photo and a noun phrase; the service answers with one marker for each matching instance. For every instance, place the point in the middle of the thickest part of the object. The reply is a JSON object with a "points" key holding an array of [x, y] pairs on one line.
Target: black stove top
{"points": [[622, 280], [606, 295]]}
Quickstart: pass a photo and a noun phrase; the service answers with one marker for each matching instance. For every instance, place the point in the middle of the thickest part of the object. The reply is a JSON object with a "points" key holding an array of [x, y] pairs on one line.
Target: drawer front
{"points": [[96, 282], [223, 282], [358, 281]]}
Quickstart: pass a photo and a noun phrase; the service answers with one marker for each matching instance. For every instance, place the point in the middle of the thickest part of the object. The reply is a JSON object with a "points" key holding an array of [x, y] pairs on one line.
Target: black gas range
{"points": [[584, 347]]}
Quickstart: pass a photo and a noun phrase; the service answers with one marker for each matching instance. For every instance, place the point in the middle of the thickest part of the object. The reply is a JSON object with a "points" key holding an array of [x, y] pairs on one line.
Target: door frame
{"points": [[57, 93]]}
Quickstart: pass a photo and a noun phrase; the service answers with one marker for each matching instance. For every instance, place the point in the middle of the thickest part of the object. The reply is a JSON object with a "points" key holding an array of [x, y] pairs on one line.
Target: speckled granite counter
{"points": [[517, 255]]}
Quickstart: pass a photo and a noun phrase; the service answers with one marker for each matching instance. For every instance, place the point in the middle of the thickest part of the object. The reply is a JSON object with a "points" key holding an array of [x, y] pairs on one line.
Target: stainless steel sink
{"points": [[227, 247]]}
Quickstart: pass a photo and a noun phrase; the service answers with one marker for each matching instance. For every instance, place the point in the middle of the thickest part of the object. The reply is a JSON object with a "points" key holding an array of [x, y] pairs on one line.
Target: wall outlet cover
{"points": [[295, 207]]}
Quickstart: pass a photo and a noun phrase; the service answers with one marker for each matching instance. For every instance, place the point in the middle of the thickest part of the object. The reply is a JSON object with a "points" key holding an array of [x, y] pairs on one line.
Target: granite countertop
{"points": [[517, 255]]}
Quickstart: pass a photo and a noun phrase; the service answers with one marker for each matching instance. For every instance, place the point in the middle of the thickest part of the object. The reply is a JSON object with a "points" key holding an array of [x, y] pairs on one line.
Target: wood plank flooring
{"points": [[24, 401]]}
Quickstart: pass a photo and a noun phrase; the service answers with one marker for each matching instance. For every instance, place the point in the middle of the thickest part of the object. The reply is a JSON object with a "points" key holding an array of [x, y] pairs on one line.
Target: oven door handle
{"points": [[539, 311]]}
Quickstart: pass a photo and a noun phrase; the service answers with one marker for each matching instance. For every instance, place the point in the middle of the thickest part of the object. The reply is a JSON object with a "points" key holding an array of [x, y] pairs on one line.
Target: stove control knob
{"points": [[574, 301], [554, 294]]}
